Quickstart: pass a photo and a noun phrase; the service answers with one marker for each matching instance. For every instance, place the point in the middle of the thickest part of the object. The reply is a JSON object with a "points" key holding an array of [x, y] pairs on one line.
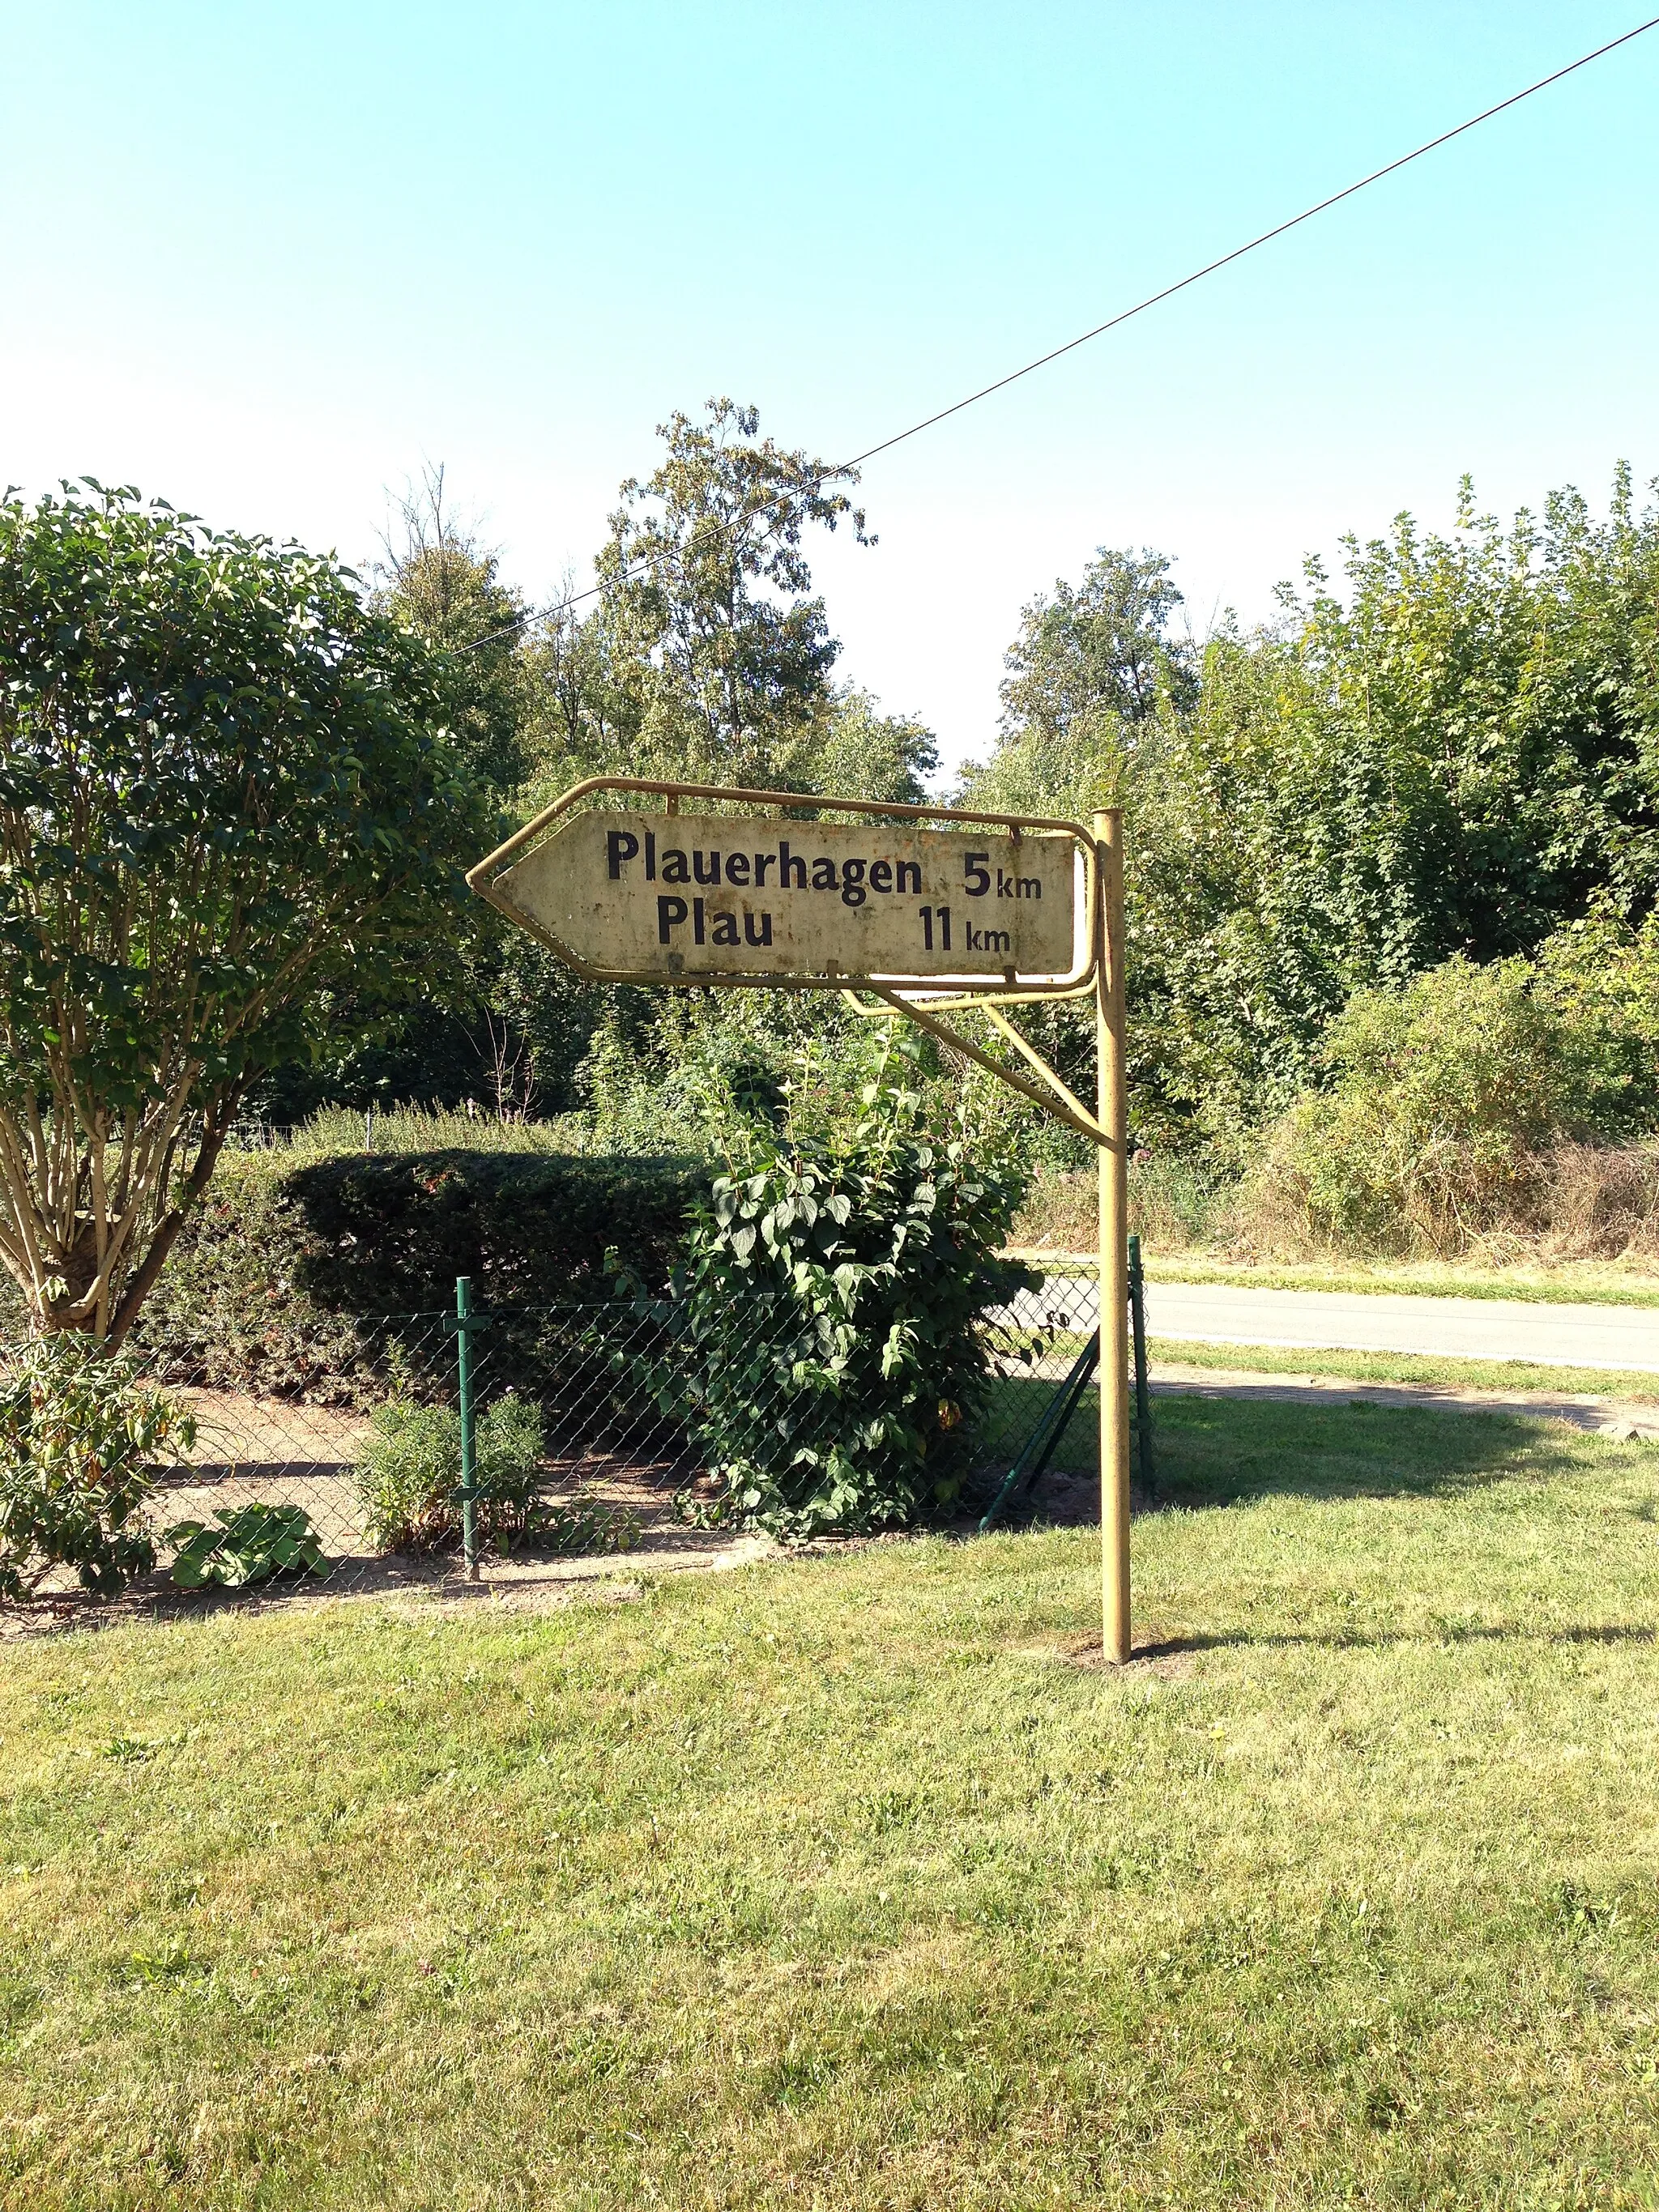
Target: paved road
{"points": [[1465, 1329]]}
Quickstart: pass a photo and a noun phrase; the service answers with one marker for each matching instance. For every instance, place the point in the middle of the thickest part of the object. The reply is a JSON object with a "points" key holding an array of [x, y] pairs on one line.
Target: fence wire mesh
{"points": [[346, 1472]]}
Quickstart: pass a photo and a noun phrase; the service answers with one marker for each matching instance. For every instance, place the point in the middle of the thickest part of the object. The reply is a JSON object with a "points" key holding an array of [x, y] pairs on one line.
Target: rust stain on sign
{"points": [[679, 897]]}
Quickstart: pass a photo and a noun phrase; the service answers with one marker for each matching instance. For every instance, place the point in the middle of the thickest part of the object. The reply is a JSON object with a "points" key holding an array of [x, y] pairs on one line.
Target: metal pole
{"points": [[1111, 1110], [469, 1454], [1143, 1391]]}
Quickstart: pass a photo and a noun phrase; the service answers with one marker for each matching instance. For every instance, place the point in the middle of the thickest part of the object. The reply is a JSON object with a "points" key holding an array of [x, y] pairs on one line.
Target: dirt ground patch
{"points": [[252, 1450]]}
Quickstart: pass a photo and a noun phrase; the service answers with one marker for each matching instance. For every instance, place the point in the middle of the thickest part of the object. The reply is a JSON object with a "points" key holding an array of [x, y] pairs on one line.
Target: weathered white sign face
{"points": [[672, 897]]}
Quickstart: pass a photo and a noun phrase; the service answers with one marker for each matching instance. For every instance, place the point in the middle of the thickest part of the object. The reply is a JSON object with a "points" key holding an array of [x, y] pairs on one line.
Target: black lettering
{"points": [[824, 878], [792, 869], [910, 877], [712, 875], [737, 868], [881, 875], [765, 922], [671, 912], [620, 845], [726, 928], [852, 883], [651, 856], [1029, 887], [696, 921], [762, 862], [986, 941], [674, 869], [977, 876]]}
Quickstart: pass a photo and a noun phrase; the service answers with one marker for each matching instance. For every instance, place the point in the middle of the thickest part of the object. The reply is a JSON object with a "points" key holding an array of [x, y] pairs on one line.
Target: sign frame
{"points": [[922, 1000], [485, 879]]}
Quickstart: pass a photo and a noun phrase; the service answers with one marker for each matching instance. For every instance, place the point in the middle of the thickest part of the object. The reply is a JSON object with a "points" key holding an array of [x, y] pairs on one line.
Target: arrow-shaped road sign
{"points": [[668, 897]]}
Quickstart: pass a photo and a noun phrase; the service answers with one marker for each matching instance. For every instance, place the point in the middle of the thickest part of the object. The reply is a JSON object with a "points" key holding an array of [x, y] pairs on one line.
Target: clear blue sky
{"points": [[266, 260]]}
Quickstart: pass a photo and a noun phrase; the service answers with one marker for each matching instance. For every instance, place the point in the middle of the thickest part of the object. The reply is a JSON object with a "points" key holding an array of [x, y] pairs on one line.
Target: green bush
{"points": [[1447, 1099], [251, 1544], [821, 1350], [298, 1280], [79, 1436]]}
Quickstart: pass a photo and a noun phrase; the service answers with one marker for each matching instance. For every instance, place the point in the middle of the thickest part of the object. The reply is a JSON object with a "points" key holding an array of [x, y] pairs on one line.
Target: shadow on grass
{"points": [[1224, 1449]]}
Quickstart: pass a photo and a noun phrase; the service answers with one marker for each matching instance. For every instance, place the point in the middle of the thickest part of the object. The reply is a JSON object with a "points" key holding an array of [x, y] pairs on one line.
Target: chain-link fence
{"points": [[433, 1448]]}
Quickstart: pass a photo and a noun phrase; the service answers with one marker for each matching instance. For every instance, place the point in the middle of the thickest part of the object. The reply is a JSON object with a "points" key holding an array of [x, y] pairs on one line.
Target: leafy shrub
{"points": [[251, 1544], [79, 1436], [822, 1352], [278, 1277], [409, 1477], [1448, 1099]]}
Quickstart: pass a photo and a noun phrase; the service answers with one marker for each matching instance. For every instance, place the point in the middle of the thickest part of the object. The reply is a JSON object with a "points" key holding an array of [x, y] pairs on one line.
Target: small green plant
{"points": [[251, 1544], [408, 1478], [80, 1437]]}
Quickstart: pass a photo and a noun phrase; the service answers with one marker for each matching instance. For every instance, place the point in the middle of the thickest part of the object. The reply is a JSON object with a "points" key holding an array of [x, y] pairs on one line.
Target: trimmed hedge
{"points": [[300, 1281]]}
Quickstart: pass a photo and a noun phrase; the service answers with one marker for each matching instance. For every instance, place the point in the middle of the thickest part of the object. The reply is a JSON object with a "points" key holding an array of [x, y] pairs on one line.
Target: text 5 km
{"points": [[854, 879]]}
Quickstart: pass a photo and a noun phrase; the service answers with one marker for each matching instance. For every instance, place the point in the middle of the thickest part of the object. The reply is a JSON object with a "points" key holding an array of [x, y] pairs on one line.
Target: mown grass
{"points": [[1576, 1282], [839, 1883], [1633, 1383]]}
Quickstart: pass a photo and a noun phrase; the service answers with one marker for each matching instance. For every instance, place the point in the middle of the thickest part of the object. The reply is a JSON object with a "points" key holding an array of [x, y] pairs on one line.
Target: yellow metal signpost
{"points": [[911, 910]]}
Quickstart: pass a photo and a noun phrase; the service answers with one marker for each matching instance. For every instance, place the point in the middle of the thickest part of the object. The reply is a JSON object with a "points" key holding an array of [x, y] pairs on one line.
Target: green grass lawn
{"points": [[1411, 1367], [1567, 1282], [841, 1883], [1575, 1282]]}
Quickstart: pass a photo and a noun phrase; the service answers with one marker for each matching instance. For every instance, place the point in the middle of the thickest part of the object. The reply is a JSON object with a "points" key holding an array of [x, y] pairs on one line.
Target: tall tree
{"points": [[439, 581], [708, 601], [861, 753], [1456, 753], [225, 788], [1094, 663], [1103, 647]]}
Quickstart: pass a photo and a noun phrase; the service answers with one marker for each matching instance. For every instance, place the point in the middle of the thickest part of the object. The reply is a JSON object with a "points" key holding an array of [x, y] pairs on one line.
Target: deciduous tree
{"points": [[225, 786]]}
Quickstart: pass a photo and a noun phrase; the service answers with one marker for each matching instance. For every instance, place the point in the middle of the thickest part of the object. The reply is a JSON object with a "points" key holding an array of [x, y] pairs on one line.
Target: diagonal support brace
{"points": [[1055, 1098]]}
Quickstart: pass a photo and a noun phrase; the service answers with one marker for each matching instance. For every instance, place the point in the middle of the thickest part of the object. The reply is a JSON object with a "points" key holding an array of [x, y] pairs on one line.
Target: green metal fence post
{"points": [[1143, 1390], [464, 1327]]}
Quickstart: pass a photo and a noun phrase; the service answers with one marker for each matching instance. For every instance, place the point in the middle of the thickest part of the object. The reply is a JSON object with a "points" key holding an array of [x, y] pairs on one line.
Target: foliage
{"points": [[438, 582], [1454, 751], [224, 791], [705, 654], [1090, 665], [1445, 1098], [865, 754], [822, 1352], [705, 584], [1457, 757], [302, 1278], [79, 1436], [251, 1544], [409, 1476]]}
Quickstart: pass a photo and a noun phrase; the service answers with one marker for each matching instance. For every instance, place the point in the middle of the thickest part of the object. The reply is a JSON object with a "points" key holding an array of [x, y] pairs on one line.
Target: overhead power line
{"points": [[1127, 315]]}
